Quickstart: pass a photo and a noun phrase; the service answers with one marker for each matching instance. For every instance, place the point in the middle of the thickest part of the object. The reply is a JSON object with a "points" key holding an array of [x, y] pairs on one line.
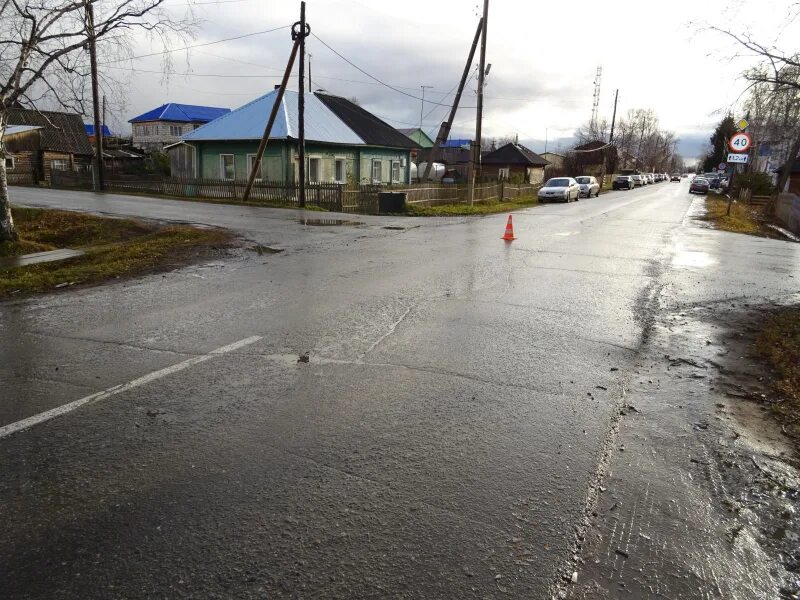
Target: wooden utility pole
{"points": [[272, 115], [476, 144], [98, 174], [301, 108], [444, 129], [610, 140]]}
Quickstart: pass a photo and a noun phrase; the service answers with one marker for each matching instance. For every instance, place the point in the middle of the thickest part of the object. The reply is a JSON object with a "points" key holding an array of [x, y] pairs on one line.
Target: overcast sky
{"points": [[543, 55]]}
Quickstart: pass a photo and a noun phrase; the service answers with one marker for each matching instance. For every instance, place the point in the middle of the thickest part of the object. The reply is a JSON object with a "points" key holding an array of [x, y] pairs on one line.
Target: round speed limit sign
{"points": [[740, 142]]}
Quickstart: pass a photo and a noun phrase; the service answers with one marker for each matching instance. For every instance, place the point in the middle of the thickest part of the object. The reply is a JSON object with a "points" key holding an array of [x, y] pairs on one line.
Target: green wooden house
{"points": [[344, 143]]}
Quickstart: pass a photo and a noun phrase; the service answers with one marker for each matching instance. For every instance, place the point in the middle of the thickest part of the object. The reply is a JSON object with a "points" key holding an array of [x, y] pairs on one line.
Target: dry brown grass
{"points": [[779, 344], [114, 248], [744, 218]]}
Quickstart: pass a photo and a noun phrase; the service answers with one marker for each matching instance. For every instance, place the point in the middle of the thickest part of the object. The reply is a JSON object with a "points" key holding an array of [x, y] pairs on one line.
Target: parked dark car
{"points": [[699, 185], [623, 182]]}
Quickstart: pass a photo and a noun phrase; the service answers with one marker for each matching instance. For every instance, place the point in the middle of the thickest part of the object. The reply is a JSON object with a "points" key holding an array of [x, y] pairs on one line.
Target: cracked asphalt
{"points": [[443, 440]]}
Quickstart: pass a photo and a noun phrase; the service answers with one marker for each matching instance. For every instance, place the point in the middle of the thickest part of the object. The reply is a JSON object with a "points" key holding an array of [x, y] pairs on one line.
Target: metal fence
{"points": [[347, 198]]}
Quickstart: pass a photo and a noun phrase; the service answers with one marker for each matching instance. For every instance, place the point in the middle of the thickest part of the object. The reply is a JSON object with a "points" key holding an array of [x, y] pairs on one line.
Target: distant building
{"points": [[417, 135], [344, 142], [90, 132], [555, 160], [39, 142], [166, 124], [513, 161]]}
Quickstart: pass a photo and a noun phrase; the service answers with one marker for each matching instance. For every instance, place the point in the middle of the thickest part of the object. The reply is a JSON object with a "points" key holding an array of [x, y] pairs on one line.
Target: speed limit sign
{"points": [[740, 142]]}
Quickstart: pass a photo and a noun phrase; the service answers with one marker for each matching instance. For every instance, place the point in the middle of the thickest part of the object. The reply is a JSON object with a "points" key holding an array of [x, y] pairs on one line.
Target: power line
{"points": [[383, 83], [230, 39]]}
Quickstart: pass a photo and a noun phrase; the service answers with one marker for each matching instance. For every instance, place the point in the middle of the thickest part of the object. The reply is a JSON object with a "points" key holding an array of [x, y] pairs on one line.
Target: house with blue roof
{"points": [[344, 142], [166, 124]]}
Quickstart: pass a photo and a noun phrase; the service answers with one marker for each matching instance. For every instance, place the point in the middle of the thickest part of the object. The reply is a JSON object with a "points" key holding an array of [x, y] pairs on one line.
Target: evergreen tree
{"points": [[719, 143]]}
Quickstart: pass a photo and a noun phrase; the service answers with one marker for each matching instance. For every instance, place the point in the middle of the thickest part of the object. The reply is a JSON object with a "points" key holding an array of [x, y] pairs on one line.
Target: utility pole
{"points": [[444, 129], [301, 108], [274, 112], [98, 175], [422, 105], [610, 140], [476, 144], [545, 140]]}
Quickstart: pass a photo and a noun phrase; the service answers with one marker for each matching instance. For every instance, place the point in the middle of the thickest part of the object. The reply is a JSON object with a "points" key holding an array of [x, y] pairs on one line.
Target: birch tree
{"points": [[44, 61]]}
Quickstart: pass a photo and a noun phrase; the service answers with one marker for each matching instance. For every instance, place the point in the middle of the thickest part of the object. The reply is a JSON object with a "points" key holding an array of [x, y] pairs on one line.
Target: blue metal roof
{"points": [[182, 113], [248, 122], [90, 129], [456, 144]]}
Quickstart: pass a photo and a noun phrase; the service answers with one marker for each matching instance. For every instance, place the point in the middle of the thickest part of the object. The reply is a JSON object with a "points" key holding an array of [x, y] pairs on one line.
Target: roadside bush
{"points": [[759, 183]]}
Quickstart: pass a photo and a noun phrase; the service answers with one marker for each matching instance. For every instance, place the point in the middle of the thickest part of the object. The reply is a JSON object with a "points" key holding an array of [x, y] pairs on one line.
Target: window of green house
{"points": [[395, 171], [339, 172], [227, 166], [314, 170], [376, 170], [251, 160]]}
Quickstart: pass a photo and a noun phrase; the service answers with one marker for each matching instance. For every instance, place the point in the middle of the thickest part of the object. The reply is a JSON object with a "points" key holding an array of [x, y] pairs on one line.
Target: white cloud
{"points": [[543, 59]]}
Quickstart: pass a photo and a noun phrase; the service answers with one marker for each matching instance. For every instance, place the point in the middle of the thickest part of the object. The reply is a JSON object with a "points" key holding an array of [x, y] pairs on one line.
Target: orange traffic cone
{"points": [[509, 235]]}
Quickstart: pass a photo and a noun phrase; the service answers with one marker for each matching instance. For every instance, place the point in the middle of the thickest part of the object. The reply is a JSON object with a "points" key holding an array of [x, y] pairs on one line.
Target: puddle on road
{"points": [[689, 258], [329, 222]]}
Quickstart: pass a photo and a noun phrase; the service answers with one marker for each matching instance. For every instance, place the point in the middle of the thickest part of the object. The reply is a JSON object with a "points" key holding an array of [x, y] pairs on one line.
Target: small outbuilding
{"points": [[513, 162], [39, 142]]}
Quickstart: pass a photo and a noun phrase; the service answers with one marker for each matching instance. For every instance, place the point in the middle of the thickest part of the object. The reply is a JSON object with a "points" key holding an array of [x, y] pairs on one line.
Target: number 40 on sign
{"points": [[740, 142]]}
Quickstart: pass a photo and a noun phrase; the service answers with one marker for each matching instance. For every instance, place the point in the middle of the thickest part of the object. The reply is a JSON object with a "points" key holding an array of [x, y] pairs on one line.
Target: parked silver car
{"points": [[563, 189], [589, 186], [639, 180]]}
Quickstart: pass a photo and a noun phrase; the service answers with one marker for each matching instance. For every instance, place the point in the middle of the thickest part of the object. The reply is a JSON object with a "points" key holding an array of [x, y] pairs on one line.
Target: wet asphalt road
{"points": [[441, 441]]}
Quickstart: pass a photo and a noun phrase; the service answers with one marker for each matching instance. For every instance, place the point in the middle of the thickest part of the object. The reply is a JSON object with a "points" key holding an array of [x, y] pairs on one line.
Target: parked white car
{"points": [[589, 186], [639, 180], [563, 189]]}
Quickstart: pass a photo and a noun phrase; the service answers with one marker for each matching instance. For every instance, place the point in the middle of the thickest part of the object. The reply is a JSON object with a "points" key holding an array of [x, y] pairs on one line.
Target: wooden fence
{"points": [[362, 199]]}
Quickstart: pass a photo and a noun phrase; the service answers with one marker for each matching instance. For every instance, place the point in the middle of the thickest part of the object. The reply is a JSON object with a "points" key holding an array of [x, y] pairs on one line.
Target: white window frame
{"points": [[11, 167], [318, 178], [391, 174], [222, 167], [260, 174], [60, 161], [336, 161], [379, 162], [504, 173]]}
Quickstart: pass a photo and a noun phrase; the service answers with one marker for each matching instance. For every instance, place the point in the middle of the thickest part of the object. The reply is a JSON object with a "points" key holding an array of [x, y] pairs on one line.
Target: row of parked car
{"points": [[703, 182], [634, 180], [567, 189]]}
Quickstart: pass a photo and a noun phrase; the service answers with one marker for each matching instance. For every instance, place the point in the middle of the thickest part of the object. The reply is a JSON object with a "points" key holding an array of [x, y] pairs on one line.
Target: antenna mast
{"points": [[596, 97]]}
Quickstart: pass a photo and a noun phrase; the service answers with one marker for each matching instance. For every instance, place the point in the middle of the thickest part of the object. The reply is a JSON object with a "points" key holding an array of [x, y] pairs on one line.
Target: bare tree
{"points": [[776, 75], [43, 56]]}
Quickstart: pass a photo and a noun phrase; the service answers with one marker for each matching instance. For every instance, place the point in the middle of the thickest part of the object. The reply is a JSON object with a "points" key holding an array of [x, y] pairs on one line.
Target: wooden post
{"points": [[444, 130], [273, 114], [301, 105], [99, 176]]}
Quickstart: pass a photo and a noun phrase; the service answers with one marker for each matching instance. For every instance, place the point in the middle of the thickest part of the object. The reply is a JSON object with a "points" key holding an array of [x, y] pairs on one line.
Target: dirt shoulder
{"points": [[778, 346], [113, 249], [744, 218], [702, 489]]}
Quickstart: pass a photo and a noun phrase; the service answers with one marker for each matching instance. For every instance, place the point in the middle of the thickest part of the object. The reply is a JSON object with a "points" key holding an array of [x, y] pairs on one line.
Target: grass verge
{"points": [[744, 218], [778, 344], [479, 208], [115, 248]]}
